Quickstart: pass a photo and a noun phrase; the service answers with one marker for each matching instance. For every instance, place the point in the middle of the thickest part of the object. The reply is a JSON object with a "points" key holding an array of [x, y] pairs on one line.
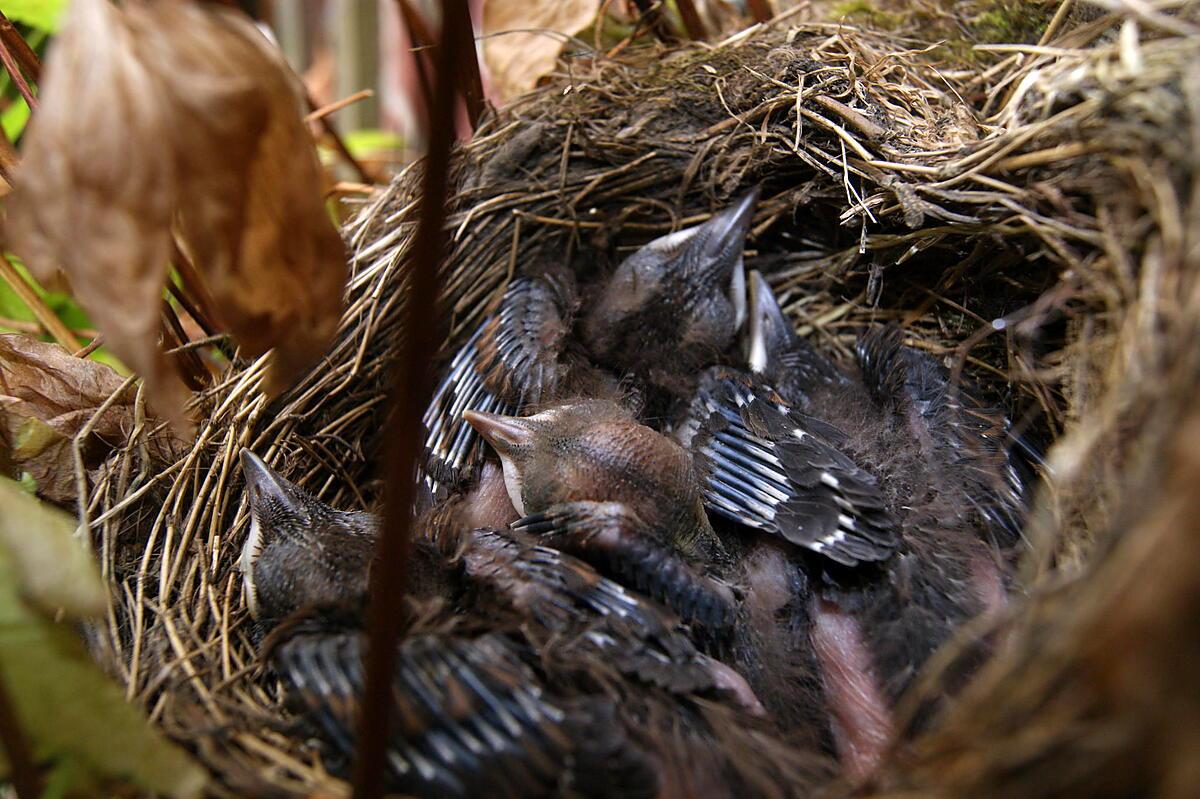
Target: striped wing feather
{"points": [[469, 719], [772, 468], [510, 362]]}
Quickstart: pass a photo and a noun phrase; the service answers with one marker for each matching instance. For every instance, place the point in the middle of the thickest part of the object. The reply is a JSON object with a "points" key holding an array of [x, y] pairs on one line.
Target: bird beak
{"points": [[729, 227], [723, 239], [766, 322], [264, 484], [504, 433]]}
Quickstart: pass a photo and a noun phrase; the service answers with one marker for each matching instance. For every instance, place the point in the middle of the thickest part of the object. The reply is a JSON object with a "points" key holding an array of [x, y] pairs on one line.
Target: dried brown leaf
{"points": [[517, 60], [47, 396], [173, 113]]}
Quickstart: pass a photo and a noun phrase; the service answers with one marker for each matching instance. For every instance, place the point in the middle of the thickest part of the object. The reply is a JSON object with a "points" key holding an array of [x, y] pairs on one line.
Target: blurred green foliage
{"points": [[42, 15], [372, 141], [14, 309], [79, 726]]}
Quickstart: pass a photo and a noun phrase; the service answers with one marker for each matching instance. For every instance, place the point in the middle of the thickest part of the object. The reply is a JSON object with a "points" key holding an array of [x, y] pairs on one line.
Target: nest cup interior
{"points": [[1005, 222]]}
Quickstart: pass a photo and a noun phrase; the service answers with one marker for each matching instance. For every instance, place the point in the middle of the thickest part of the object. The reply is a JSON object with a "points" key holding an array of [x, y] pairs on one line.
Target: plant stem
{"points": [[412, 387]]}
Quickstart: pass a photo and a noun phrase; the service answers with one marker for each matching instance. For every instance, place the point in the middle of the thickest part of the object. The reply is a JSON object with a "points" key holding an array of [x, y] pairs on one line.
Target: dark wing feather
{"points": [[599, 620], [510, 362], [610, 536], [883, 369], [469, 719], [976, 441], [766, 466]]}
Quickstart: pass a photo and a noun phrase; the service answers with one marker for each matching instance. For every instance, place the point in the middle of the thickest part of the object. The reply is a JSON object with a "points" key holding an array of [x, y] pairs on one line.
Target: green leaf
{"points": [[13, 119], [63, 305], [51, 569], [371, 141], [41, 14], [75, 718]]}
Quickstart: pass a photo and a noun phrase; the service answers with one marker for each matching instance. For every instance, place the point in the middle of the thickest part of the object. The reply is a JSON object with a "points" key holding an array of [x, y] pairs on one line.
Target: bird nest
{"points": [[1030, 217]]}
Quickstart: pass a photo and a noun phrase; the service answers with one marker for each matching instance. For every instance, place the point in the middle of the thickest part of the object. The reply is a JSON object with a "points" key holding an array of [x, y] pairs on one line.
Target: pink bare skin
{"points": [[488, 505], [858, 712]]}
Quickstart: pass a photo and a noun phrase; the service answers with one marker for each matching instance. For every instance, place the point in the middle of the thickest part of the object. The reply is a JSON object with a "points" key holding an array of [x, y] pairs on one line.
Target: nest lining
{"points": [[1041, 250]]}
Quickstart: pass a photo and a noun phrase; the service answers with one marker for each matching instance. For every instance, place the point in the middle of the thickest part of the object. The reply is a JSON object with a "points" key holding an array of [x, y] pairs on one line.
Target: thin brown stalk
{"points": [[48, 319], [185, 302], [472, 88], [194, 297], [343, 187], [35, 329], [412, 386], [174, 336], [338, 105], [96, 343], [20, 49], [420, 37], [471, 81], [691, 20], [339, 144], [418, 28], [652, 16], [11, 64]]}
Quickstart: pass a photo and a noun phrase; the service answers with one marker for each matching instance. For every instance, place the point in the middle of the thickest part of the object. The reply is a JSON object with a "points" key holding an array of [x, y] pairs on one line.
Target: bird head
{"points": [[684, 291], [300, 551], [594, 451]]}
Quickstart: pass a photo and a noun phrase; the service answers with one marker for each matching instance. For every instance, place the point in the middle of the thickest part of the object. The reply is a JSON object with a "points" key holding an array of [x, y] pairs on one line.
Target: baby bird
{"points": [[675, 304], [593, 481], [940, 480], [902, 415], [670, 307], [523, 673], [627, 499], [938, 454], [299, 547]]}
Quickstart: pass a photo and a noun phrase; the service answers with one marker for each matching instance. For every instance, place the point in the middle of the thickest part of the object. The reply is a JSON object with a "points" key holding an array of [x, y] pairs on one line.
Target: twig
{"points": [[22, 770], [339, 144], [1056, 23], [418, 28], [192, 368], [418, 33], [462, 40], [412, 386], [1051, 155], [860, 122], [96, 343], [35, 329], [472, 88], [50, 321], [14, 44], [195, 299], [338, 105], [346, 187], [10, 62], [691, 20], [20, 49]]}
